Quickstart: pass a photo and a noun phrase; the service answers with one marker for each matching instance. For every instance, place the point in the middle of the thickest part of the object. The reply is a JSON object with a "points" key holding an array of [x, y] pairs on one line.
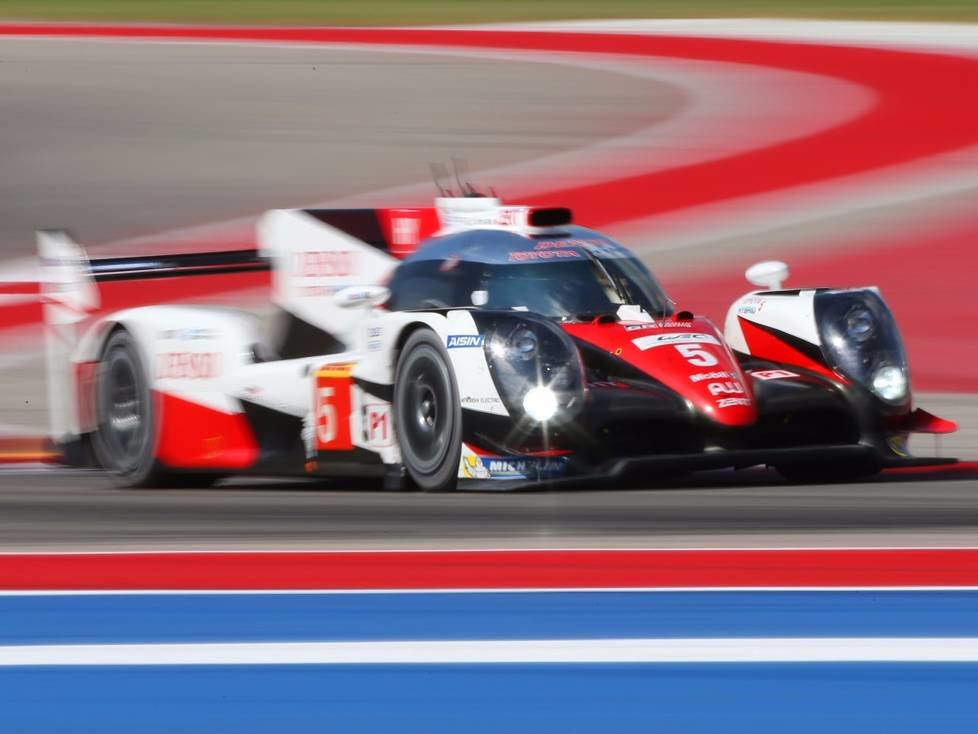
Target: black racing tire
{"points": [[125, 437], [828, 471], [428, 413]]}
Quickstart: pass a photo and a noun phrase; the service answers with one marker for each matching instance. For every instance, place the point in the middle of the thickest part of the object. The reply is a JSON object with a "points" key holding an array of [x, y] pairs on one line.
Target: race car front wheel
{"points": [[427, 413], [124, 438]]}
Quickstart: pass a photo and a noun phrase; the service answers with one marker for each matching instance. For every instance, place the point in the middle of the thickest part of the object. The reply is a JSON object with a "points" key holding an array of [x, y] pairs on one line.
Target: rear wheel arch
{"points": [[127, 415]]}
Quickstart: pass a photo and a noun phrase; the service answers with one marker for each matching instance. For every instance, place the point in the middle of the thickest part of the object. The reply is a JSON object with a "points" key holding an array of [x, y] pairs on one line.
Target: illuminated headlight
{"points": [[860, 324], [540, 403], [535, 366], [890, 383]]}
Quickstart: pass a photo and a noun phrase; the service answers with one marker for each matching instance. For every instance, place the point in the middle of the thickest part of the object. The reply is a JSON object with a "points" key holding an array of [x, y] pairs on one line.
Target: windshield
{"points": [[575, 290]]}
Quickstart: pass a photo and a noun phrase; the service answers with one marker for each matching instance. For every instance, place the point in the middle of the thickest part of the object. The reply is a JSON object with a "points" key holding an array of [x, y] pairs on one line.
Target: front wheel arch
{"points": [[427, 412]]}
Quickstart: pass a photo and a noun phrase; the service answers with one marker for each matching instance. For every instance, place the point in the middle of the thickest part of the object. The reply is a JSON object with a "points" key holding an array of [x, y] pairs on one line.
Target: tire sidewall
{"points": [[445, 475], [143, 469]]}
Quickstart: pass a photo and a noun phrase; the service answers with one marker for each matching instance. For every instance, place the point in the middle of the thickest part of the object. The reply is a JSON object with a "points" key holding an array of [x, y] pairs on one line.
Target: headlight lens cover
{"points": [[890, 383], [860, 339], [535, 365]]}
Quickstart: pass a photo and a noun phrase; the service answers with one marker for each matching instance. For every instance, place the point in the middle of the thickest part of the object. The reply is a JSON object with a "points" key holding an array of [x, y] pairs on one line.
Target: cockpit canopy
{"points": [[575, 275]]}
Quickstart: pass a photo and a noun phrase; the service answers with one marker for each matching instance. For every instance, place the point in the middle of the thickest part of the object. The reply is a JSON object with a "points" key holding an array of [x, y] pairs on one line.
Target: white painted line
{"points": [[959, 37], [440, 652]]}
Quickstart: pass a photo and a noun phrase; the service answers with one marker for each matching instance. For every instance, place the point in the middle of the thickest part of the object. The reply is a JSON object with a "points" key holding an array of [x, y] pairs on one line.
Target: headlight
{"points": [[540, 403], [860, 324], [524, 344], [860, 340], [534, 364], [890, 383]]}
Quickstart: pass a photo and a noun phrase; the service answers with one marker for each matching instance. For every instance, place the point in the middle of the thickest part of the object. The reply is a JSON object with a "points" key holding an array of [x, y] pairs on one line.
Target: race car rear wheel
{"points": [[427, 413], [125, 436]]}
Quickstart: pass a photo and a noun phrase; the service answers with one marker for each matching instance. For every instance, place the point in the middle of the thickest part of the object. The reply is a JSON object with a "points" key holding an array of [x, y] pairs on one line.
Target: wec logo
{"points": [[661, 340], [458, 341]]}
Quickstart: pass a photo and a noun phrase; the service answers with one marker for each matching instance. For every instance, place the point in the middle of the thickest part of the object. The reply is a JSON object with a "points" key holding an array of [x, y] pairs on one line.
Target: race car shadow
{"points": [[766, 477], [714, 479]]}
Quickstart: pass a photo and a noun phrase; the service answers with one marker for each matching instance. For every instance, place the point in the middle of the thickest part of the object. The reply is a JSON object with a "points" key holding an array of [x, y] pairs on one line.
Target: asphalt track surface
{"points": [[71, 510], [114, 140], [74, 511]]}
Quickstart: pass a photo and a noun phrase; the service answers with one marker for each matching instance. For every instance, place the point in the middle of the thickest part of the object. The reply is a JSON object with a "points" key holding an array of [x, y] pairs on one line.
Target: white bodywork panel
{"points": [[790, 313], [312, 262]]}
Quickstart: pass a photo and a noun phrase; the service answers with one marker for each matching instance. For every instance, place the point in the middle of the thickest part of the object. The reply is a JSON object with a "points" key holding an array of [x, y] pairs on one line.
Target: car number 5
{"points": [[325, 416], [697, 355]]}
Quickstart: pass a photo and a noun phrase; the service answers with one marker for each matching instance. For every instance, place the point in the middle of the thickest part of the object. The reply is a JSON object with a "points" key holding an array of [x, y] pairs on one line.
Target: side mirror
{"points": [[770, 274], [361, 296]]}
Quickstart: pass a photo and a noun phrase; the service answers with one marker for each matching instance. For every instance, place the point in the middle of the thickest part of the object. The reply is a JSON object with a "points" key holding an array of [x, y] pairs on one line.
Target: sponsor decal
{"points": [[377, 425], [322, 263], [662, 340], [188, 334], [353, 297], [524, 467], [533, 255], [188, 365], [474, 466], [469, 401], [751, 305], [660, 325], [374, 334], [732, 402], [462, 341], [728, 387], [700, 376], [471, 466], [513, 216], [592, 245], [405, 229], [774, 374], [508, 216]]}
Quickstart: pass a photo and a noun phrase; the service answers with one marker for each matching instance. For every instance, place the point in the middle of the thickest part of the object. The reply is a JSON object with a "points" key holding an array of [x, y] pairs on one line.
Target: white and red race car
{"points": [[472, 342]]}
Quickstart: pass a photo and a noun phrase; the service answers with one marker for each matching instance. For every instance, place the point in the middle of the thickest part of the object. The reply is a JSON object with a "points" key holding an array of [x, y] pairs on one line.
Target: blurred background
{"points": [[847, 146], [117, 141], [838, 135], [439, 12]]}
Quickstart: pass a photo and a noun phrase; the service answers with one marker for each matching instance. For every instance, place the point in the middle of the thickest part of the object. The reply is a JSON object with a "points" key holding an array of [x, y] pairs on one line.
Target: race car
{"points": [[470, 344]]}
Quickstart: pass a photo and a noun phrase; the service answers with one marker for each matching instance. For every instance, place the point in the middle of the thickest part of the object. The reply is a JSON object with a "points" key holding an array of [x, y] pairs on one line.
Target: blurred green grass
{"points": [[379, 12]]}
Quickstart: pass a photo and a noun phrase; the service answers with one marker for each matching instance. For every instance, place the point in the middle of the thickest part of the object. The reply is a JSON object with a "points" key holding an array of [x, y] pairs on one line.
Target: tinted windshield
{"points": [[575, 290], [571, 289]]}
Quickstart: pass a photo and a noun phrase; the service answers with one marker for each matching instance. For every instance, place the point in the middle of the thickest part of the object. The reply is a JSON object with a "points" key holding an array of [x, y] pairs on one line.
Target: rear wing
{"points": [[171, 266]]}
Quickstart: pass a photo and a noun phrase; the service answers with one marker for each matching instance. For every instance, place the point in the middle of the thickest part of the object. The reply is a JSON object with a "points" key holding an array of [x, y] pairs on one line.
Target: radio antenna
{"points": [[462, 169], [439, 172]]}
